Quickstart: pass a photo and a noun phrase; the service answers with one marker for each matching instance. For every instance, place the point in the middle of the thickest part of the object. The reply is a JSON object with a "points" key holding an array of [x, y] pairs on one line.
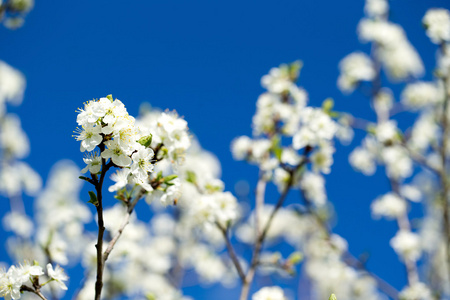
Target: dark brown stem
{"points": [[101, 226]]}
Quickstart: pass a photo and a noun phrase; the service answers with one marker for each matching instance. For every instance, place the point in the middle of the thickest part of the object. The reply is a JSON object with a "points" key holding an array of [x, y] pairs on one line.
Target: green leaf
{"points": [[110, 97], [146, 140], [93, 199], [84, 178], [169, 178], [295, 258], [328, 105], [277, 152], [332, 297], [191, 177], [294, 69]]}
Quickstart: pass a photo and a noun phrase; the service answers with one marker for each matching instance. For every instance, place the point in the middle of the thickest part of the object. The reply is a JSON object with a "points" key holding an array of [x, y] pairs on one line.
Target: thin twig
{"points": [[36, 292], [232, 253], [130, 208]]}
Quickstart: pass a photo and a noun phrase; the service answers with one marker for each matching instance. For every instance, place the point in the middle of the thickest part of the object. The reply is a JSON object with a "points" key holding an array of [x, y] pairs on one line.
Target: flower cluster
{"points": [[25, 277]]}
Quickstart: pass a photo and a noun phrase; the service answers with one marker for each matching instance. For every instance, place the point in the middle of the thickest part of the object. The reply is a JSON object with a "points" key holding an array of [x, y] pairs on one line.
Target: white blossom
{"points": [[437, 23], [407, 245], [58, 275], [389, 206], [269, 293]]}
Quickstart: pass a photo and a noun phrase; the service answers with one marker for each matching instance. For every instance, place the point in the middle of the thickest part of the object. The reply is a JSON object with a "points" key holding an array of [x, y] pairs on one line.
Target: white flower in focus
{"points": [[142, 163], [269, 293], [420, 94], [437, 23], [314, 187], [26, 270], [120, 178], [58, 275], [362, 160], [355, 67], [89, 136], [118, 155], [376, 8], [390, 206], [241, 147], [10, 283], [94, 163], [407, 245]]}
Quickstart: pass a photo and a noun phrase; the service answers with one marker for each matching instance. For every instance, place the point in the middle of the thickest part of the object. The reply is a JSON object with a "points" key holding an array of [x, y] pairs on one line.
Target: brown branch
{"points": [[130, 208], [101, 226], [232, 253], [443, 153], [37, 292]]}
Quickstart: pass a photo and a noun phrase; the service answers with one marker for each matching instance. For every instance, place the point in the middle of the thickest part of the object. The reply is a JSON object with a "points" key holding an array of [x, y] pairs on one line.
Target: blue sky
{"points": [[204, 59]]}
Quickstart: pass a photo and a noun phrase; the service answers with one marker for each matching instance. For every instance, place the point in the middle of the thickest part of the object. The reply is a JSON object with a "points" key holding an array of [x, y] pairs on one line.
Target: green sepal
{"points": [[146, 140], [93, 199], [159, 175], [110, 97]]}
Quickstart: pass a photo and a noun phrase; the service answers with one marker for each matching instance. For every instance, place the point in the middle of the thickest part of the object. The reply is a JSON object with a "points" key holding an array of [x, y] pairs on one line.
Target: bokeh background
{"points": [[204, 59]]}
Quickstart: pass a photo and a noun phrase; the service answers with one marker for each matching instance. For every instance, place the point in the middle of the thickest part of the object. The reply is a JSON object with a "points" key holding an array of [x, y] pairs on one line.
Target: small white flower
{"points": [[58, 275], [437, 23], [407, 245], [94, 163], [420, 94], [142, 164], [362, 160], [120, 178], [389, 206], [314, 187], [89, 136], [117, 154], [355, 67], [241, 147], [269, 293]]}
